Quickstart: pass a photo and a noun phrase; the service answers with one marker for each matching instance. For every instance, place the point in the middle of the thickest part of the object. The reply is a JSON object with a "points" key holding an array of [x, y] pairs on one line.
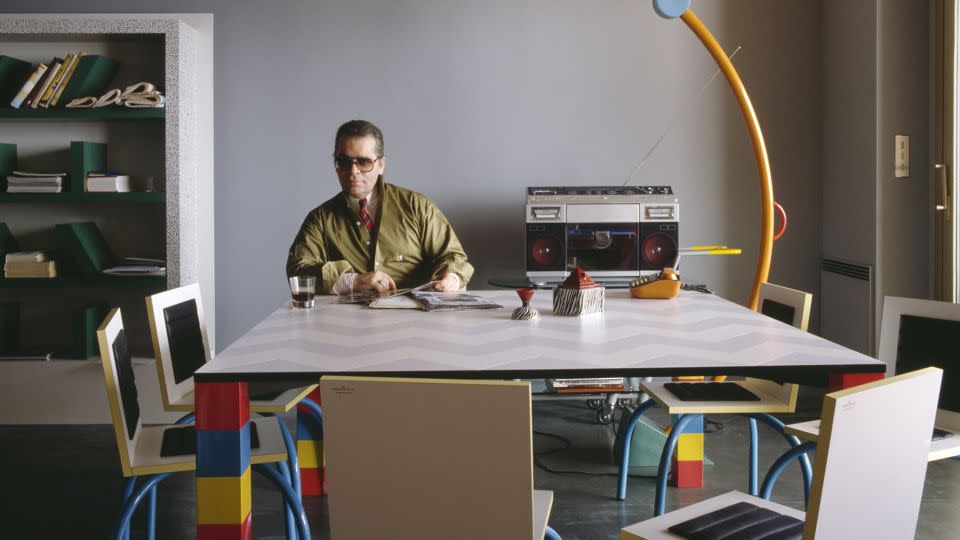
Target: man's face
{"points": [[353, 180]]}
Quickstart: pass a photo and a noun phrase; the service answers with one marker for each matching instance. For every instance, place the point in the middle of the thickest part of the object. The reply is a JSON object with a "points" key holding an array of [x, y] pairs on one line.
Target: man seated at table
{"points": [[374, 235]]}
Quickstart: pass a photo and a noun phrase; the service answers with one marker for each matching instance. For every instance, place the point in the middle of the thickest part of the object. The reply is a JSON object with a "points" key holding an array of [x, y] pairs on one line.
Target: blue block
{"points": [[226, 452], [309, 428], [693, 426]]}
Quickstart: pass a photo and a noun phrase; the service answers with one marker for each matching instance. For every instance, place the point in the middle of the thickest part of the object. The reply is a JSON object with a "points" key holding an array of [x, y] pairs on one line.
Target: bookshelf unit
{"points": [[173, 145]]}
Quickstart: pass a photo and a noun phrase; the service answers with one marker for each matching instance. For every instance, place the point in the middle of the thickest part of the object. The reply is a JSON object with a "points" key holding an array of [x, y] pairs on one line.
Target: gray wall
{"points": [[904, 205], [877, 84], [478, 99]]}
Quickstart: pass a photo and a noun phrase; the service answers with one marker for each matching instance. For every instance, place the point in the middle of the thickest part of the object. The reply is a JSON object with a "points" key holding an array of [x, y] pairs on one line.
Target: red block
{"points": [[687, 474], [313, 482], [222, 406], [241, 531], [841, 381]]}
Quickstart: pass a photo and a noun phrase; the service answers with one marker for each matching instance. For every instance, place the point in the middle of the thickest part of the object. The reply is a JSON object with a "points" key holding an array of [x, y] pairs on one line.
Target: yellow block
{"points": [[310, 454], [689, 378], [223, 501], [690, 447]]}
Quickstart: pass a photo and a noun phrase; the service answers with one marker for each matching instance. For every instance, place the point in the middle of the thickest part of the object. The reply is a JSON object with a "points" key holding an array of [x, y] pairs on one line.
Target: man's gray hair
{"points": [[359, 128]]}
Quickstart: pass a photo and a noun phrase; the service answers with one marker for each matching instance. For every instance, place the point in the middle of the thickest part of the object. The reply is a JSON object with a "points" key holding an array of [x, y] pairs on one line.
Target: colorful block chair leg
{"points": [[313, 479], [223, 461]]}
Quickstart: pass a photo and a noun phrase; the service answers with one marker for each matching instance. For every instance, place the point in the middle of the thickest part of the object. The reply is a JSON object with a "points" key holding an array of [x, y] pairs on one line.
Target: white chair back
{"points": [[428, 459], [787, 305], [121, 387], [180, 344], [871, 458]]}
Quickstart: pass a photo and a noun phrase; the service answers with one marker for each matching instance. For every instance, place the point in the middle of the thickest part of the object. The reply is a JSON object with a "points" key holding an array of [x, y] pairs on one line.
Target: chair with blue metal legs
{"points": [[868, 478], [150, 454], [761, 400], [179, 333], [395, 474], [913, 333], [774, 398]]}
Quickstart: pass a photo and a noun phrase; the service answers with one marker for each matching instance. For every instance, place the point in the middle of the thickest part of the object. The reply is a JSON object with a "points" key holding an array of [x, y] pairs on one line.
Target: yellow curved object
{"points": [[759, 150]]}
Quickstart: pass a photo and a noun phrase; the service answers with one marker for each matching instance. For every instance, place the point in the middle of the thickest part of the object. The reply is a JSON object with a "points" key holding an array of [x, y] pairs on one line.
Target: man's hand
{"points": [[447, 283], [375, 280]]}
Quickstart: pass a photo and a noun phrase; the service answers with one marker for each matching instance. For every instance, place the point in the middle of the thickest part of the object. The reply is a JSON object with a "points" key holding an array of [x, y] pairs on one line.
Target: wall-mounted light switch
{"points": [[901, 168]]}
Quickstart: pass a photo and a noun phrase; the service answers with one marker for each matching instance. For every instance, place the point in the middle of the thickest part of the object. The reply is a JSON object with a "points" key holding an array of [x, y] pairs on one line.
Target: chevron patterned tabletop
{"points": [[692, 334]]}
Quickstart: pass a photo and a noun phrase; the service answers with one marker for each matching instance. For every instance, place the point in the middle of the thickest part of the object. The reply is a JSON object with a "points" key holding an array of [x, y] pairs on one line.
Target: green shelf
{"points": [[153, 197], [119, 113], [76, 282]]}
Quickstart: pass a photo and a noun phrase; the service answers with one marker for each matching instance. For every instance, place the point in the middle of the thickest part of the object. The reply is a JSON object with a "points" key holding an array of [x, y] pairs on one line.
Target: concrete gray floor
{"points": [[64, 482]]}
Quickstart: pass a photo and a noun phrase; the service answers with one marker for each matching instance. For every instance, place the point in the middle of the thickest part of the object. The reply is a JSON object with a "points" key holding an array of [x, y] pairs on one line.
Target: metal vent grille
{"points": [[853, 270]]}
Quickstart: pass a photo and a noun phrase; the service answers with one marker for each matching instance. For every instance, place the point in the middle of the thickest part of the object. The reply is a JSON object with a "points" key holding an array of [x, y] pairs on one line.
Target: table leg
{"points": [[313, 478], [223, 461], [840, 381], [687, 462]]}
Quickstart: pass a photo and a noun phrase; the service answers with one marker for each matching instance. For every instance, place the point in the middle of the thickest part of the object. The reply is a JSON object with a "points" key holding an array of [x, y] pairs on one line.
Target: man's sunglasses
{"points": [[344, 163]]}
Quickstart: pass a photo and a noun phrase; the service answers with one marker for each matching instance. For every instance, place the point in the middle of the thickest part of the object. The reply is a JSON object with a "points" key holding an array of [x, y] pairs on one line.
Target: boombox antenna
{"points": [[676, 120]]}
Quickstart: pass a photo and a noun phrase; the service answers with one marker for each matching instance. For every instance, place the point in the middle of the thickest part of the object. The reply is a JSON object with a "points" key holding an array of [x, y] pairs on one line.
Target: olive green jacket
{"points": [[411, 241]]}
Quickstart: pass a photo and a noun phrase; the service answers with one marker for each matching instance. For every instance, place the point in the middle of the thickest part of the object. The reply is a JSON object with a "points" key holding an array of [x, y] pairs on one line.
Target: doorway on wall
{"points": [[945, 151]]}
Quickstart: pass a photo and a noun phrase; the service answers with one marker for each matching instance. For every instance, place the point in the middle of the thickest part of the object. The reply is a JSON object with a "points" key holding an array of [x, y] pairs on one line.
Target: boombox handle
{"points": [[670, 9]]}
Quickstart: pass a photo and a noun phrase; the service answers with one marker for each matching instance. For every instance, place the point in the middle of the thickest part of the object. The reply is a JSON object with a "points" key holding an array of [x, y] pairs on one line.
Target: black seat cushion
{"points": [[741, 521], [710, 391], [182, 441]]}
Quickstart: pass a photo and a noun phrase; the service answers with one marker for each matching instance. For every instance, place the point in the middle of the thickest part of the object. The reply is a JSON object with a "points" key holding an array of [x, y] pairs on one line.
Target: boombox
{"points": [[614, 233]]}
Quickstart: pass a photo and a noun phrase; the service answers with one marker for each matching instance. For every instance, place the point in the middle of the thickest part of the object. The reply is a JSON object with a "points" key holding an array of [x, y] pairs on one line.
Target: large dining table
{"points": [[692, 334]]}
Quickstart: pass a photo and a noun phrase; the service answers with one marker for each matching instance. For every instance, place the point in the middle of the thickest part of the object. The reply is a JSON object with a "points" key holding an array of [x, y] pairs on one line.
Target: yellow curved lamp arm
{"points": [[681, 8]]}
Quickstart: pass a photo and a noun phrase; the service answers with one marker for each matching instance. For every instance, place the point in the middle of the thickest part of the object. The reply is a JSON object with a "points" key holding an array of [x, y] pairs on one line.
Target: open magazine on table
{"points": [[425, 298], [451, 301], [369, 297]]}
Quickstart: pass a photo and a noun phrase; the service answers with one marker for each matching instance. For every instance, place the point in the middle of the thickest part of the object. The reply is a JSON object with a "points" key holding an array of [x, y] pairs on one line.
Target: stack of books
{"points": [[29, 182], [29, 264], [595, 384], [107, 182], [56, 83]]}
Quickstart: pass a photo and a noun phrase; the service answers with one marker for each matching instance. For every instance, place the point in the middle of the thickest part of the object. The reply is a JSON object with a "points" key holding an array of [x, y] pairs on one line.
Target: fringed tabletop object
{"points": [[525, 312], [578, 295]]}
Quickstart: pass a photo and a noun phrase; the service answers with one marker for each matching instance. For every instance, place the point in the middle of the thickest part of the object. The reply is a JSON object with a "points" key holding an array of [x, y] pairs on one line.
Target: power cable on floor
{"points": [[566, 446]]}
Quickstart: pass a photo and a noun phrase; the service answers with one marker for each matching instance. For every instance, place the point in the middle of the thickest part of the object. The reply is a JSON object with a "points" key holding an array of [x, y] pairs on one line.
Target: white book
{"points": [[116, 184], [34, 189], [44, 84], [28, 86], [25, 256]]}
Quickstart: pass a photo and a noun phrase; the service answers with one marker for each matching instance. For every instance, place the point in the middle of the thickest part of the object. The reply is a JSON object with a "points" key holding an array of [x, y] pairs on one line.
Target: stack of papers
{"points": [[593, 382], [28, 182], [136, 270], [138, 266], [29, 264]]}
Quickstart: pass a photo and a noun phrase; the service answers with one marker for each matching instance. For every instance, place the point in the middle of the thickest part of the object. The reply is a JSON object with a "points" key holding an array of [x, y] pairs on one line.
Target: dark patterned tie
{"points": [[364, 216]]}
